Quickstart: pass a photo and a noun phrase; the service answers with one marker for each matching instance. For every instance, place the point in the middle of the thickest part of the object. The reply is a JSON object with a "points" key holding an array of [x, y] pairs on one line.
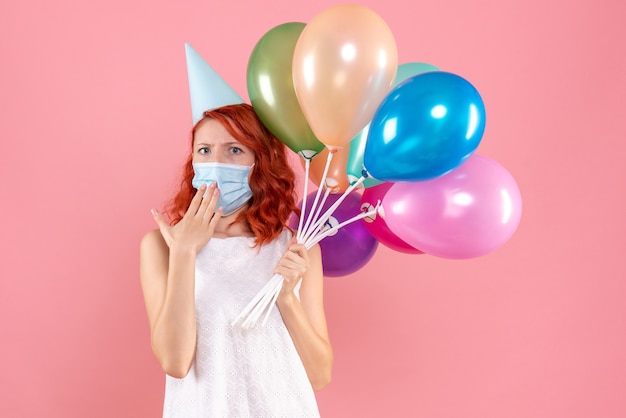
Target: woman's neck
{"points": [[227, 227]]}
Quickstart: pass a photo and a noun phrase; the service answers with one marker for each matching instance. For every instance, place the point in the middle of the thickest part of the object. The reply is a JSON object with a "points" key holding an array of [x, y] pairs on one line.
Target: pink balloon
{"points": [[377, 226], [466, 213]]}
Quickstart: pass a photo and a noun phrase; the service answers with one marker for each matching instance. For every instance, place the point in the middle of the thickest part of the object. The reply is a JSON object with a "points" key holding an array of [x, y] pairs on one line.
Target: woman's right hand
{"points": [[196, 227]]}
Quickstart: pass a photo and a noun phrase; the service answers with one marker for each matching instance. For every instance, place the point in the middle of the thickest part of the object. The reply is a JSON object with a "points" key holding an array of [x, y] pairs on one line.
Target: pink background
{"points": [[94, 122]]}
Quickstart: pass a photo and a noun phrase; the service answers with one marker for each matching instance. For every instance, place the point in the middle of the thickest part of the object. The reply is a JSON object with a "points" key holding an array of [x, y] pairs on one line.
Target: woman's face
{"points": [[213, 143]]}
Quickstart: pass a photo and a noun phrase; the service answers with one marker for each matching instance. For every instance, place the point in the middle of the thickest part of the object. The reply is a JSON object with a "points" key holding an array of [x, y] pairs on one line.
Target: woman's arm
{"points": [[167, 272], [305, 318], [167, 280]]}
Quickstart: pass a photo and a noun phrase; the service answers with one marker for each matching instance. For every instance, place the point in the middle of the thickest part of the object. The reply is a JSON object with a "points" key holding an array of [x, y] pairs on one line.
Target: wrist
{"points": [[286, 298], [181, 249]]}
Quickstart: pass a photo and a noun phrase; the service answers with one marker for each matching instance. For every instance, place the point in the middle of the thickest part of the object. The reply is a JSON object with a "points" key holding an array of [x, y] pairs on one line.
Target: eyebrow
{"points": [[227, 144]]}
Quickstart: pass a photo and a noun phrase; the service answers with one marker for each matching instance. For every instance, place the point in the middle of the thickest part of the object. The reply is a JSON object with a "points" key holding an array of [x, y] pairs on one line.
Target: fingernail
{"points": [[153, 212]]}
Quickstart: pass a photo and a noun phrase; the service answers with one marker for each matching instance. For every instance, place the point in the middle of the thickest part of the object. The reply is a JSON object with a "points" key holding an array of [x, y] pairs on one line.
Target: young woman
{"points": [[228, 235]]}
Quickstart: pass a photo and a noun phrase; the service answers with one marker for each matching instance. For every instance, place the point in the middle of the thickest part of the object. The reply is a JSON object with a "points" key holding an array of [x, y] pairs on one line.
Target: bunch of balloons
{"points": [[406, 135]]}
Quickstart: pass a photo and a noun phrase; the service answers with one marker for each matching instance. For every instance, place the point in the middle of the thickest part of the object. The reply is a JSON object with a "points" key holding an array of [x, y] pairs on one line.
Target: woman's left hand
{"points": [[292, 266]]}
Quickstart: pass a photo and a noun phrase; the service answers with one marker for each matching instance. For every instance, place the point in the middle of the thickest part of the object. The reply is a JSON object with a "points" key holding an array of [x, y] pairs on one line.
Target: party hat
{"points": [[206, 88]]}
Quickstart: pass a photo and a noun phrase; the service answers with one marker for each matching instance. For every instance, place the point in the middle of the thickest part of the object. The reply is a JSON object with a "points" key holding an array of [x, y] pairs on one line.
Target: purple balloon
{"points": [[466, 213], [352, 246]]}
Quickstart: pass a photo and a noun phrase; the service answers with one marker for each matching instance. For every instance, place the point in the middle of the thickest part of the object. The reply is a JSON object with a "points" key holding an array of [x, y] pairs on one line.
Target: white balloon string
{"points": [[255, 301], [317, 238], [272, 302], [264, 303], [321, 221], [317, 195], [270, 293], [269, 301], [307, 168], [314, 227], [258, 309]]}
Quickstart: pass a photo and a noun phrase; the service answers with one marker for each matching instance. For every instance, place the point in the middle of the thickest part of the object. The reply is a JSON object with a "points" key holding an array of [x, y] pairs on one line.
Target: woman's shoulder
{"points": [[152, 235], [281, 240], [287, 233], [152, 241], [285, 236]]}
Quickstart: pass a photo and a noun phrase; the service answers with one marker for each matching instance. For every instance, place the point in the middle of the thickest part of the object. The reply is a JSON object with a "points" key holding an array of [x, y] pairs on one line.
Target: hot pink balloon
{"points": [[466, 213], [377, 226]]}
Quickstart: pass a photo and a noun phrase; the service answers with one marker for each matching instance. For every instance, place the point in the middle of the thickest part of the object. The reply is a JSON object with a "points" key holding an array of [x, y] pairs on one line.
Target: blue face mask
{"points": [[231, 179]]}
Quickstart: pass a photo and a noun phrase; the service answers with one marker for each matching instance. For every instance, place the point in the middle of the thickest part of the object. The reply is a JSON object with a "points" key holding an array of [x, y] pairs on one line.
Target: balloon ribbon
{"points": [[309, 234]]}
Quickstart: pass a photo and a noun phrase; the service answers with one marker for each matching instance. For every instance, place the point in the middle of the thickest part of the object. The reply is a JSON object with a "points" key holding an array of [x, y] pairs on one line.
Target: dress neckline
{"points": [[234, 237]]}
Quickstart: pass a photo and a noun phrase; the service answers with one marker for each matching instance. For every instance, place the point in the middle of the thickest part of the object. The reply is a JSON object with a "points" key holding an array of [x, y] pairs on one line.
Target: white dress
{"points": [[239, 373]]}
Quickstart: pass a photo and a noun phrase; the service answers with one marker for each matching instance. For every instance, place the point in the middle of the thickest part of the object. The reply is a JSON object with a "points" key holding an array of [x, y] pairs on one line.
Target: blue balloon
{"points": [[426, 126]]}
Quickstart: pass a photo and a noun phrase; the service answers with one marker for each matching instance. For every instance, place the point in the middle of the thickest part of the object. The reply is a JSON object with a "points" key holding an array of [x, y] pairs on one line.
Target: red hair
{"points": [[272, 180]]}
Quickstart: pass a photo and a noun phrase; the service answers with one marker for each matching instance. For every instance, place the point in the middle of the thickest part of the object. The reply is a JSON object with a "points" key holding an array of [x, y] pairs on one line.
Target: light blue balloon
{"points": [[354, 166], [410, 69], [427, 125]]}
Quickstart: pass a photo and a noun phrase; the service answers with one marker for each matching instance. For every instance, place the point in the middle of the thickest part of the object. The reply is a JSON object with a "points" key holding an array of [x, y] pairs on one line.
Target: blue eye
{"points": [[204, 150], [236, 150]]}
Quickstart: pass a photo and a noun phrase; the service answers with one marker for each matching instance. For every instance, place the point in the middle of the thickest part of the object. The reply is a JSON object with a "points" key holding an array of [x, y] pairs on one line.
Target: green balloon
{"points": [[354, 165], [272, 93], [410, 69]]}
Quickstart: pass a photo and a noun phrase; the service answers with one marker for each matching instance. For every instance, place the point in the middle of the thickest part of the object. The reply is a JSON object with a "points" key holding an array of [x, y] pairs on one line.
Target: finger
{"points": [[158, 218], [292, 256], [214, 220], [299, 249], [206, 199], [163, 225], [289, 274], [196, 201], [293, 263], [286, 273], [298, 252], [208, 204]]}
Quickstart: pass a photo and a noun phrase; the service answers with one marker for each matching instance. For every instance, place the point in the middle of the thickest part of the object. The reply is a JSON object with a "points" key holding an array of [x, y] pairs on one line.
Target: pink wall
{"points": [[94, 119]]}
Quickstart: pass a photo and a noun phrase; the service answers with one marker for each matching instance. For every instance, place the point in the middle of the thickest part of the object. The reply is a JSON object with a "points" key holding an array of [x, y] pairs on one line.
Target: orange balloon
{"points": [[337, 177], [344, 64]]}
